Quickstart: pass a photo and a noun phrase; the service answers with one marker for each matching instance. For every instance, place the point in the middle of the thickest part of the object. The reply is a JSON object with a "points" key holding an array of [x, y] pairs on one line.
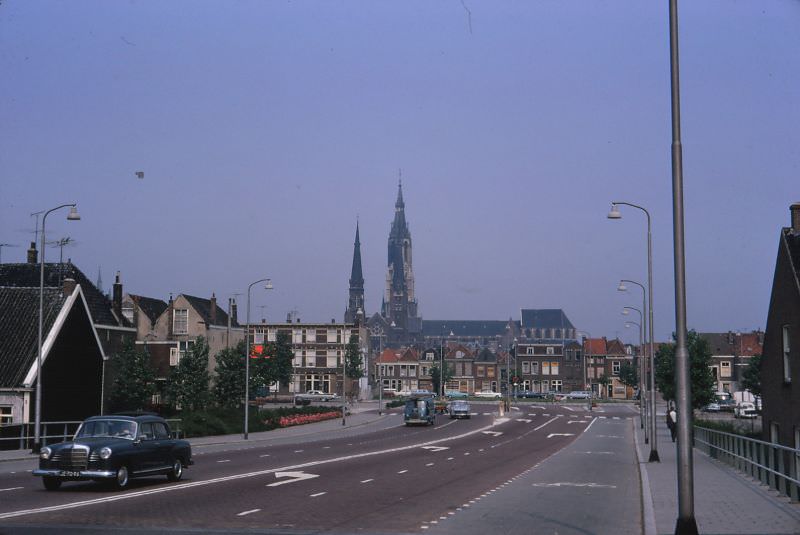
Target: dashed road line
{"points": [[12, 488], [250, 512], [224, 461], [317, 494], [402, 471], [367, 480]]}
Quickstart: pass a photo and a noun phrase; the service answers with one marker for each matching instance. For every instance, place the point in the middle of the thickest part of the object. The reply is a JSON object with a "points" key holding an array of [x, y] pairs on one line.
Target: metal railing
{"points": [[773, 465], [21, 436]]}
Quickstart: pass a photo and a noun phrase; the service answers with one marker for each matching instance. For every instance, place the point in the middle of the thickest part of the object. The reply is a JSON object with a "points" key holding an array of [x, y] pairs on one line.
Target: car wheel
{"points": [[51, 483], [176, 472], [121, 479]]}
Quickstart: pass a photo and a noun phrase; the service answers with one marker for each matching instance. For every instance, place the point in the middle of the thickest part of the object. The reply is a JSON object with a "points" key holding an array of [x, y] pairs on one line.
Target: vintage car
{"points": [[487, 394], [456, 394], [114, 449], [459, 409]]}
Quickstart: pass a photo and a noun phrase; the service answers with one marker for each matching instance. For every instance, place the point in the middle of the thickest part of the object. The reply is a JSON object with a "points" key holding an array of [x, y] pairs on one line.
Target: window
{"points": [[5, 414], [554, 368], [180, 321], [615, 367], [787, 370], [160, 430], [534, 368], [529, 350], [551, 351], [725, 368], [556, 385], [127, 312], [545, 368], [526, 366], [429, 355], [174, 356], [490, 371], [480, 371]]}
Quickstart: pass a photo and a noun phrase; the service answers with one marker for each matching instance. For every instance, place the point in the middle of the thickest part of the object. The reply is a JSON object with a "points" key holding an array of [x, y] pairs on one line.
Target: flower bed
{"points": [[300, 419]]}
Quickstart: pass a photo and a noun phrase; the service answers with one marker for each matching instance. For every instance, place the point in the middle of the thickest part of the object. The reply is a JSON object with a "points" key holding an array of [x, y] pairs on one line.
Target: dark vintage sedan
{"points": [[115, 449]]}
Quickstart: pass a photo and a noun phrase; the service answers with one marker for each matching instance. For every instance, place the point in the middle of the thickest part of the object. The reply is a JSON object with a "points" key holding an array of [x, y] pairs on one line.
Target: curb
{"points": [[648, 512]]}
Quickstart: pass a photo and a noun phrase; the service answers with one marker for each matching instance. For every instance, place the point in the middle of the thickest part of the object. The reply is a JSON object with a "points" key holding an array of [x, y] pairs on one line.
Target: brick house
{"points": [[730, 355]]}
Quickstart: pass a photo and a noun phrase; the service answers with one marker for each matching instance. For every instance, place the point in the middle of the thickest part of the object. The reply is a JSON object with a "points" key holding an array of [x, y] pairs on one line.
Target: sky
{"points": [[266, 130]]}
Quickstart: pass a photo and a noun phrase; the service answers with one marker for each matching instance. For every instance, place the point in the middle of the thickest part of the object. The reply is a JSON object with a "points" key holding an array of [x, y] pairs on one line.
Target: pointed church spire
{"points": [[355, 302], [356, 275], [399, 204]]}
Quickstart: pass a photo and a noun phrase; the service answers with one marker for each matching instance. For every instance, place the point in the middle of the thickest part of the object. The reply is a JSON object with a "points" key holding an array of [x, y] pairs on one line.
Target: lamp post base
{"points": [[686, 526], [654, 458]]}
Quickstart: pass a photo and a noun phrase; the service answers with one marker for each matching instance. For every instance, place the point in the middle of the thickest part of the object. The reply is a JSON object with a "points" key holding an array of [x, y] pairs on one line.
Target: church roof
{"points": [[545, 318]]}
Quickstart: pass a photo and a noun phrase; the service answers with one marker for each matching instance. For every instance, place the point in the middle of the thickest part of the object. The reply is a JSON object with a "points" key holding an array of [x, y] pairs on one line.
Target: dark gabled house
{"points": [[73, 360], [142, 312], [546, 325], [780, 365], [730, 355]]}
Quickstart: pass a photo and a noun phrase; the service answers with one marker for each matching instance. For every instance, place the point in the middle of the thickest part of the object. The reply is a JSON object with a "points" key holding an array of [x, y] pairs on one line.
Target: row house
{"points": [[604, 359], [319, 350], [400, 370], [539, 367], [730, 356]]}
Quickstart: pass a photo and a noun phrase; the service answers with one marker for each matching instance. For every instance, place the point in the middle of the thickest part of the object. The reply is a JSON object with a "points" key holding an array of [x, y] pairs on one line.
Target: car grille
{"points": [[75, 458]]}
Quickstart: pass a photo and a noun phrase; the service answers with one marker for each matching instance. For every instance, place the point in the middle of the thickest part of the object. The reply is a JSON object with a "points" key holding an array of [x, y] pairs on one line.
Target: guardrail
{"points": [[773, 465], [21, 436]]}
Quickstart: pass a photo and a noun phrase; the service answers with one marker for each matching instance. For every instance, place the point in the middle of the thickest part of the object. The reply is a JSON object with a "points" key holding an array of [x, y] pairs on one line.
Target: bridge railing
{"points": [[21, 436], [773, 465]]}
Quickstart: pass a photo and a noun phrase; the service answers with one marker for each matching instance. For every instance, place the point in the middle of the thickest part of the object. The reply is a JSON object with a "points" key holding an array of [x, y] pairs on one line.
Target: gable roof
{"points": [[545, 318], [616, 347], [203, 307], [150, 306], [396, 356], [595, 346], [27, 276], [792, 241]]}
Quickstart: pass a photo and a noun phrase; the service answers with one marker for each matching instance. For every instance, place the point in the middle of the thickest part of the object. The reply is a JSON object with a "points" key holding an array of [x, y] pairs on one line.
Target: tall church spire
{"points": [[356, 297]]}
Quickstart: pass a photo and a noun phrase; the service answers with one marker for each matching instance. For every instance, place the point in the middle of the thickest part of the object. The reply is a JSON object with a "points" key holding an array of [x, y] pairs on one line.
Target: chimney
{"points": [[171, 322], [32, 254], [234, 312], [69, 286], [212, 309], [116, 302], [794, 209]]}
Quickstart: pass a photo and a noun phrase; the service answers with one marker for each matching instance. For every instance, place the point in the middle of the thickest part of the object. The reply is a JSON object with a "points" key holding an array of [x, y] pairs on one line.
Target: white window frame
{"points": [[554, 367], [787, 367], [174, 356], [545, 367], [6, 414], [615, 366], [176, 321], [551, 350], [526, 366], [725, 368], [535, 367], [529, 350]]}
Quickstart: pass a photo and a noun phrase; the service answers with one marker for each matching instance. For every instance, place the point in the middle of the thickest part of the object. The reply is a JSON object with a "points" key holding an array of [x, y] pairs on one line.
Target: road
{"points": [[380, 478]]}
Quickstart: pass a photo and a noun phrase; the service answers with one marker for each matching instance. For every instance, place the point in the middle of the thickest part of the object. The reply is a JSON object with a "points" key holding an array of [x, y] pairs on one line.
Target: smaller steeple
{"points": [[355, 301]]}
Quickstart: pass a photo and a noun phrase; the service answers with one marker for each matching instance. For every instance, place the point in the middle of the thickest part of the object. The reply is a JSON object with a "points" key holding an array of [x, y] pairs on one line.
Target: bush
{"points": [[734, 428], [229, 421], [395, 403]]}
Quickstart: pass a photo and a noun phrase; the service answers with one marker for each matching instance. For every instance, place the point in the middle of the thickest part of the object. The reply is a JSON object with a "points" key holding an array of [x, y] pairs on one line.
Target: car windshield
{"points": [[460, 405], [107, 428]]}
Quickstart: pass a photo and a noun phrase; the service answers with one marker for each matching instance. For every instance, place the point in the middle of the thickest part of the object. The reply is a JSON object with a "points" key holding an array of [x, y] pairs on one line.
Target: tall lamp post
{"points": [[377, 330], [642, 412], [72, 216], [615, 214], [586, 336], [267, 286], [643, 365]]}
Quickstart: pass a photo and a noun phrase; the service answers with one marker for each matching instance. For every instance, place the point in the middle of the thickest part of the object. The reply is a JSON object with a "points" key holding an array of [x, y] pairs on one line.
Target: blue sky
{"points": [[265, 129]]}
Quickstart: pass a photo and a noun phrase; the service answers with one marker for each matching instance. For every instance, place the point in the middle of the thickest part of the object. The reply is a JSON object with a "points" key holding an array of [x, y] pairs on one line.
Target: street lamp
{"points": [[267, 286], [586, 335], [615, 214], [377, 330], [643, 358], [72, 216], [642, 411]]}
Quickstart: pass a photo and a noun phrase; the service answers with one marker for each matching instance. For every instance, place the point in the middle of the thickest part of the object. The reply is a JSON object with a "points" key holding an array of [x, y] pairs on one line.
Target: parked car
{"points": [[115, 449], [487, 394], [314, 395], [745, 409], [459, 409], [555, 395], [711, 407], [455, 394], [579, 394], [727, 405]]}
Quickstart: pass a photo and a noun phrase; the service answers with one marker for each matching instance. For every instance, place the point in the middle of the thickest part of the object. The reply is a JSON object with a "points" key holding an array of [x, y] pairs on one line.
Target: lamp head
{"points": [[622, 287], [614, 213], [625, 312], [627, 324], [268, 285], [73, 214]]}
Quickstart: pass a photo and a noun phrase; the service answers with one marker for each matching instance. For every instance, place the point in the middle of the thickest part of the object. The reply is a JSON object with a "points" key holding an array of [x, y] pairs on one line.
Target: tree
{"points": [[187, 384], [276, 367], [701, 377], [628, 375], [435, 374], [751, 377], [134, 383], [229, 382], [353, 361]]}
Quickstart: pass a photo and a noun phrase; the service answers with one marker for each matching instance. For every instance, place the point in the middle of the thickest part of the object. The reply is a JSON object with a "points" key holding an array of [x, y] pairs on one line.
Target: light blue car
{"points": [[455, 394]]}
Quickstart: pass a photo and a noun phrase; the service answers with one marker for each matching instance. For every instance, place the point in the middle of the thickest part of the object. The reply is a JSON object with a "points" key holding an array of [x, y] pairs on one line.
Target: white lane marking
{"points": [[551, 435], [224, 461], [367, 480], [567, 484], [526, 420], [487, 413], [317, 494], [544, 424], [493, 433], [11, 488], [223, 479], [265, 455], [295, 477], [298, 451], [424, 527], [570, 409], [608, 436], [597, 452], [435, 448], [576, 421], [466, 453], [326, 447], [429, 464], [450, 458], [545, 414], [402, 471], [250, 512]]}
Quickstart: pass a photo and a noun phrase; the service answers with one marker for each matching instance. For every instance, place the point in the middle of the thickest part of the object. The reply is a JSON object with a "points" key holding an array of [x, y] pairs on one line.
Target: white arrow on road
{"points": [[435, 448], [527, 421], [493, 433], [296, 476], [551, 435]]}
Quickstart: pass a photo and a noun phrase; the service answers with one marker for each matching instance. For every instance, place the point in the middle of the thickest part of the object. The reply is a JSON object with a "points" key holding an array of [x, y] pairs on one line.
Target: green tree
{"points": [[701, 376], [629, 375], [751, 377], [435, 374], [134, 383], [187, 384], [353, 363], [276, 367], [229, 381]]}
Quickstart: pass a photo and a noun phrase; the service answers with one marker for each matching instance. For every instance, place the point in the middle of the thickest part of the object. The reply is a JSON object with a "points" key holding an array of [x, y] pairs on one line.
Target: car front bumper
{"points": [[75, 474]]}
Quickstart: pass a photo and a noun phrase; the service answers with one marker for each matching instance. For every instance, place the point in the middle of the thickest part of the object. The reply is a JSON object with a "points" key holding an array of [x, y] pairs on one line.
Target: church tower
{"points": [[399, 303], [356, 301]]}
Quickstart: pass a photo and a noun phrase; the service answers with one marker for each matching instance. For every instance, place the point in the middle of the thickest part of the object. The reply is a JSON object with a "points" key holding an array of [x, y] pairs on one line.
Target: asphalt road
{"points": [[380, 478]]}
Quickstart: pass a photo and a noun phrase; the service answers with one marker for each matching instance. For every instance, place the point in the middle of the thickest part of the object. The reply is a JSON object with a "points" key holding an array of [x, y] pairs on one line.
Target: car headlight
{"points": [[45, 453], [105, 453]]}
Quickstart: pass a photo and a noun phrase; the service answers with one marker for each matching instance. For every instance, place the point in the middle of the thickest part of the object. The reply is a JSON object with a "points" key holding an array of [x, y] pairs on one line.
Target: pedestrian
{"points": [[672, 421]]}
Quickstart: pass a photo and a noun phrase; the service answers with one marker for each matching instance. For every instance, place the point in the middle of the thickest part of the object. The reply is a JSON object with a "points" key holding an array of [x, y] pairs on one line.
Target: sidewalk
{"points": [[725, 500], [361, 414]]}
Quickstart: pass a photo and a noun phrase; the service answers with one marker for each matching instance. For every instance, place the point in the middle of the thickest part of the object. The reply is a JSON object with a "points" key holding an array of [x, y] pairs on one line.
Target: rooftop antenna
{"points": [[36, 232]]}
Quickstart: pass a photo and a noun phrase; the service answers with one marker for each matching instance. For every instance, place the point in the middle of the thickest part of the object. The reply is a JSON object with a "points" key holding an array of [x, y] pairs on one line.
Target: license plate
{"points": [[68, 473]]}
